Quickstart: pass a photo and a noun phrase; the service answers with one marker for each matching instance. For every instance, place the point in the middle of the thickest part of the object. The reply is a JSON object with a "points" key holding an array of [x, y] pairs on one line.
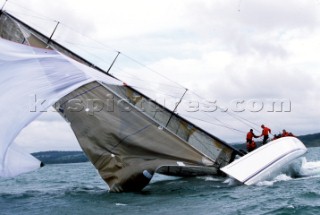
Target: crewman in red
{"points": [[284, 133], [251, 145], [265, 134]]}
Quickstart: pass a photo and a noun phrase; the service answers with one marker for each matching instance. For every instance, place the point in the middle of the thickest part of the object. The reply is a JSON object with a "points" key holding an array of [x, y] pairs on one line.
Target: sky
{"points": [[233, 52]]}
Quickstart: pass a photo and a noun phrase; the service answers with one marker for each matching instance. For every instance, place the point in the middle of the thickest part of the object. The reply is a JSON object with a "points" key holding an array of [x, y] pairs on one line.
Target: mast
{"points": [[120, 143], [75, 56]]}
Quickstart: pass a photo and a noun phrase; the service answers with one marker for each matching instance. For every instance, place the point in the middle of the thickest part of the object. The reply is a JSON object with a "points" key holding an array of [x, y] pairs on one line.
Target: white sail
{"points": [[126, 147], [32, 80]]}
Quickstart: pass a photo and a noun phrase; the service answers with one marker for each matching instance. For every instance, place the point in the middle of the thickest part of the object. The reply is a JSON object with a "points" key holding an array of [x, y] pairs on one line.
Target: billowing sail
{"points": [[32, 80], [126, 135]]}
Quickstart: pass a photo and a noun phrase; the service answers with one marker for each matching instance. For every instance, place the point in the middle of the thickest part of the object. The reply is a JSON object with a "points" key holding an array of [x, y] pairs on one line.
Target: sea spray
{"points": [[308, 169]]}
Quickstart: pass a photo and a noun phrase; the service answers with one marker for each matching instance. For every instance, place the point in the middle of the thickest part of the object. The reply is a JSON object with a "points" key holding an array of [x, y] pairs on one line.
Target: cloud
{"points": [[45, 135], [222, 50], [258, 27]]}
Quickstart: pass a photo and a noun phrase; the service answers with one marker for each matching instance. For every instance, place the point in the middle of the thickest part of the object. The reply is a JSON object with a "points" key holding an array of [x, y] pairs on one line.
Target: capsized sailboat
{"points": [[125, 134]]}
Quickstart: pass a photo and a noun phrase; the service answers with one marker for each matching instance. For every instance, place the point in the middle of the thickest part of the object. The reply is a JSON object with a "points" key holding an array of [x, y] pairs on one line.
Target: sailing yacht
{"points": [[126, 135]]}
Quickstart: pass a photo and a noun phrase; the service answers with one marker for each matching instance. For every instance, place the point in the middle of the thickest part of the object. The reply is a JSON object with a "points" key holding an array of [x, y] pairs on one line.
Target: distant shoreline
{"points": [[61, 157]]}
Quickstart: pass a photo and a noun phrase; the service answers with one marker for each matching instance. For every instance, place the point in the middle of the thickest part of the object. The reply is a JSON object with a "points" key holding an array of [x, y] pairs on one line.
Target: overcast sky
{"points": [[225, 51]]}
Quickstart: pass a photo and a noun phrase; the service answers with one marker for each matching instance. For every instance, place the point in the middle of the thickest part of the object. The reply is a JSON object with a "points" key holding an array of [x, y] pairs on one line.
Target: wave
{"points": [[299, 169], [278, 178], [309, 169]]}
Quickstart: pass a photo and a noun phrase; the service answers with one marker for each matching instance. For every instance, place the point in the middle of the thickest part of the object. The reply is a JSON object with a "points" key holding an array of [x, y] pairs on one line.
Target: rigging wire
{"points": [[148, 81], [36, 17], [178, 87], [220, 125], [125, 73], [223, 123], [100, 59], [245, 121], [85, 45], [40, 16], [234, 115], [149, 89], [104, 45], [141, 64], [98, 43], [43, 17]]}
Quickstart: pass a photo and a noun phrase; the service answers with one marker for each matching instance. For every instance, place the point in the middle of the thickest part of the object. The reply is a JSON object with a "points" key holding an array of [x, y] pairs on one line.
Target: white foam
{"points": [[265, 183], [311, 168], [282, 177], [209, 178], [120, 204], [231, 181], [301, 168]]}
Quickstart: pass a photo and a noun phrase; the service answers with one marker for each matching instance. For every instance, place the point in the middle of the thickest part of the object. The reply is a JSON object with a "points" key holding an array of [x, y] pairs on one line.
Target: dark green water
{"points": [[77, 189]]}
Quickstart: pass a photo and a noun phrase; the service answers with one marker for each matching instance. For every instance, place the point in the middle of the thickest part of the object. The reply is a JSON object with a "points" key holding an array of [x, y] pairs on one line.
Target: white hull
{"points": [[266, 162]]}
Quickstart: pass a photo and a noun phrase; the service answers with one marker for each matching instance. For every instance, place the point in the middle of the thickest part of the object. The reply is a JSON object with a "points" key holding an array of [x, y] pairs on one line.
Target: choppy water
{"points": [[77, 189]]}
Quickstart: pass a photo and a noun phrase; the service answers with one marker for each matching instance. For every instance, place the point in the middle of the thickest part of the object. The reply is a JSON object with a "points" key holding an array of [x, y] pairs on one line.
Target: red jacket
{"points": [[250, 135], [266, 131]]}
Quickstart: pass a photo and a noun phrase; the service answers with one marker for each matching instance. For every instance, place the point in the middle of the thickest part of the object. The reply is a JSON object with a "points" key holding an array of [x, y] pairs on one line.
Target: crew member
{"points": [[284, 133], [265, 134], [251, 145]]}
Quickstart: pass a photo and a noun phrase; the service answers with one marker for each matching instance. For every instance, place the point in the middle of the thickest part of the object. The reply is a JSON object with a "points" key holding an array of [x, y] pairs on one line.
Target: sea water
{"points": [[78, 189]]}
